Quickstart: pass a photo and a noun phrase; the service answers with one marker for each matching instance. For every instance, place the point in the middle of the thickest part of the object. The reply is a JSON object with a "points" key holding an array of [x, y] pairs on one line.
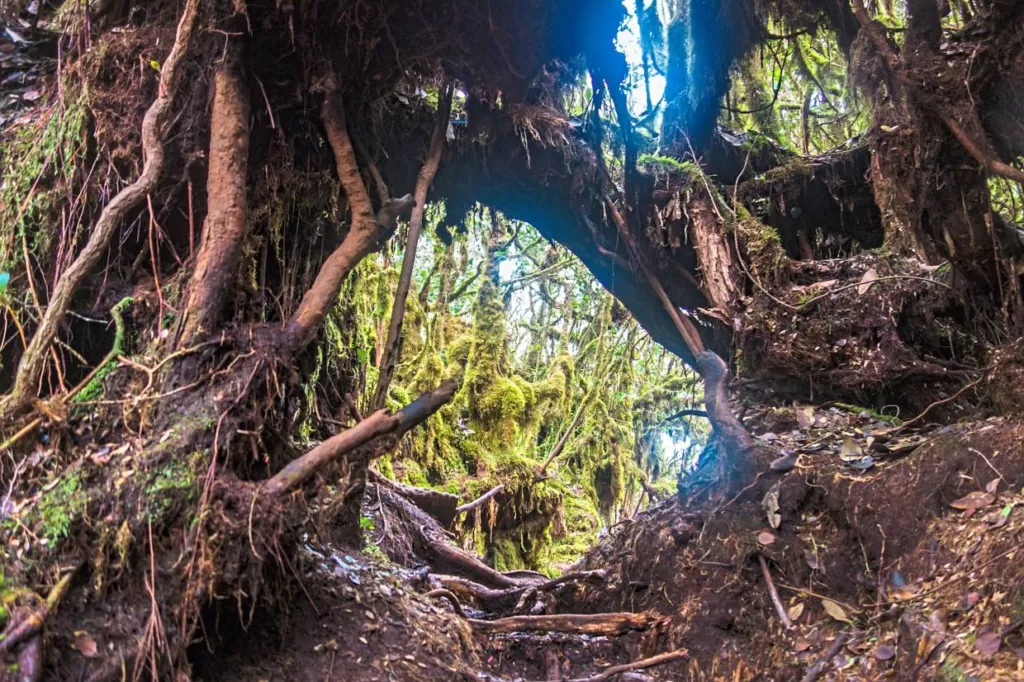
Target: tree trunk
{"points": [[220, 250], [365, 229]]}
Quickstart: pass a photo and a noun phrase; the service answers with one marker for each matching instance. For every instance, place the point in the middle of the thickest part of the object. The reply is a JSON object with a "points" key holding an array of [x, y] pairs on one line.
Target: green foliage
{"points": [[668, 163], [171, 484], [528, 355], [60, 507]]}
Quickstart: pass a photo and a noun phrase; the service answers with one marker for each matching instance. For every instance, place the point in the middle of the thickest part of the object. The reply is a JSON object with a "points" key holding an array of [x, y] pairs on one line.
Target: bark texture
{"points": [[220, 249]]}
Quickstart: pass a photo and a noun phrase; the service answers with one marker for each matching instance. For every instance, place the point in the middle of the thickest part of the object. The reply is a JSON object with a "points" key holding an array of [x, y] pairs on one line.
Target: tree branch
{"points": [[607, 624], [480, 501], [423, 182], [378, 424]]}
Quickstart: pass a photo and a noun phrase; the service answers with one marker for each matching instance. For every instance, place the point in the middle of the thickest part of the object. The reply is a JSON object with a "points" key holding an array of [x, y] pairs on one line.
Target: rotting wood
{"points": [[598, 624], [440, 505], [378, 424], [30, 367]]}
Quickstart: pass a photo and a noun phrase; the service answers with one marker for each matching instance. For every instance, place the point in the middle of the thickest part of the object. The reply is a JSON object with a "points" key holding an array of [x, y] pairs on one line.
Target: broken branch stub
{"points": [[378, 424]]}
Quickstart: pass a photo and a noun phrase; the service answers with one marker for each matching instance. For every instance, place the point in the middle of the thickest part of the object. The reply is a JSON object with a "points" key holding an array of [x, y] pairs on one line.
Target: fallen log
{"points": [[440, 505], [608, 624], [380, 423]]}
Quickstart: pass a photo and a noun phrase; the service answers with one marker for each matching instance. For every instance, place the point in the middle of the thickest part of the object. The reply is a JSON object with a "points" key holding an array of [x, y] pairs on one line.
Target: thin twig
{"points": [[939, 402], [642, 664], [776, 601]]}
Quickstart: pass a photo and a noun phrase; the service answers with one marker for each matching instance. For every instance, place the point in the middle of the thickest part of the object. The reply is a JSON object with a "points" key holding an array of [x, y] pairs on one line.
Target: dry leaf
{"points": [[795, 611], [85, 644], [850, 450], [866, 281], [904, 593], [802, 645], [988, 644], [805, 417], [993, 486], [886, 652], [973, 501], [765, 538], [835, 610]]}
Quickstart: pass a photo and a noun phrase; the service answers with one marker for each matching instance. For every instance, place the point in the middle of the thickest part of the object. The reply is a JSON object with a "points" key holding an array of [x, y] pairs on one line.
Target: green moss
{"points": [[59, 507], [94, 389], [952, 672], [573, 532], [668, 163], [874, 414], [38, 161], [170, 485]]}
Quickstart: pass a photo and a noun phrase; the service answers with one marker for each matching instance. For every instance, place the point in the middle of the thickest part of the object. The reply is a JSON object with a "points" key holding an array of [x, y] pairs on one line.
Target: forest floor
{"points": [[895, 554]]}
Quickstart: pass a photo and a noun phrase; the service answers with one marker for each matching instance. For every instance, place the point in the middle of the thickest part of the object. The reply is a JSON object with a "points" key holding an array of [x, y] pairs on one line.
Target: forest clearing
{"points": [[512, 340]]}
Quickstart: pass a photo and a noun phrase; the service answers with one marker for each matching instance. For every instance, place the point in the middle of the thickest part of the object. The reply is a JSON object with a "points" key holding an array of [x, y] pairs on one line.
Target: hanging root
{"points": [[33, 360]]}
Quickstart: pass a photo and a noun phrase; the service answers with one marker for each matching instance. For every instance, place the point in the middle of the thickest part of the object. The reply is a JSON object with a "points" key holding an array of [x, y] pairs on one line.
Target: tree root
{"points": [[598, 624], [451, 598], [32, 361], [31, 624]]}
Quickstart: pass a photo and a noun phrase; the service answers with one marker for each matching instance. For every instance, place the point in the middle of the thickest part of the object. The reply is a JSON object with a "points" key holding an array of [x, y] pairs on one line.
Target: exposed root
{"points": [[32, 361], [597, 624]]}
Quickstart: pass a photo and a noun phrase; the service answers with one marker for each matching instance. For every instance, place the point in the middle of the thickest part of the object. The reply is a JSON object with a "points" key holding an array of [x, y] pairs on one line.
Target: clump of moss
{"points": [[59, 507], [94, 389], [170, 485], [573, 532]]}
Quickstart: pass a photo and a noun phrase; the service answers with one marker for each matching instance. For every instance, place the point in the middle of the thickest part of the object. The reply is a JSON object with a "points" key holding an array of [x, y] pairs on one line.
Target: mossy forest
{"points": [[511, 340]]}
